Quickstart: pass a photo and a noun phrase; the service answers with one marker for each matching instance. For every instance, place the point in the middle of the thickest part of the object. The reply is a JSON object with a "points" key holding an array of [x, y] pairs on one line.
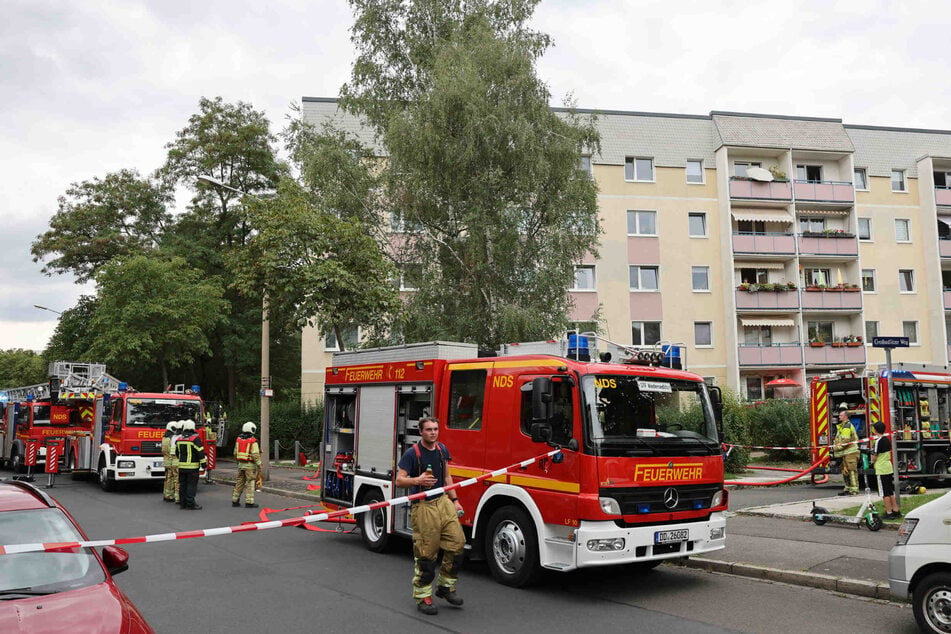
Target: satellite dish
{"points": [[759, 174]]}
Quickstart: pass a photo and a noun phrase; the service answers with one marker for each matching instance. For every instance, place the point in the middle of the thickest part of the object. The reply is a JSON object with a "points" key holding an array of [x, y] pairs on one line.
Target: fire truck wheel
{"points": [[932, 603], [105, 482], [512, 547], [373, 524], [16, 462], [937, 463]]}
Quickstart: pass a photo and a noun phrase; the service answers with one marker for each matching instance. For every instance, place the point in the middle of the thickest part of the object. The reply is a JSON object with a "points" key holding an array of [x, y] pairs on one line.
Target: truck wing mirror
{"points": [[541, 432], [542, 392]]}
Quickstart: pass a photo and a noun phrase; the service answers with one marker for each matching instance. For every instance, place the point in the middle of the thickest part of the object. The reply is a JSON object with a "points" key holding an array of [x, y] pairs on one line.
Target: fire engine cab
{"points": [[641, 474]]}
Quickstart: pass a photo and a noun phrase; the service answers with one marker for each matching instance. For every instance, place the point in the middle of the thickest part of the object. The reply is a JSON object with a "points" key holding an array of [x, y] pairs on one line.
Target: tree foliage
{"points": [[19, 368], [71, 339], [102, 219], [151, 307], [480, 173]]}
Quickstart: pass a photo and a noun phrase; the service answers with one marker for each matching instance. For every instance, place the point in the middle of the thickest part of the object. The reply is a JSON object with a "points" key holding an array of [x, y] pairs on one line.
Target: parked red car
{"points": [[64, 591]]}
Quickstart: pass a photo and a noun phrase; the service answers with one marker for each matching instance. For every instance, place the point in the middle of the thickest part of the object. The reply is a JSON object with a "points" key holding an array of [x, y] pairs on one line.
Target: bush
{"points": [[289, 421], [781, 424], [736, 431]]}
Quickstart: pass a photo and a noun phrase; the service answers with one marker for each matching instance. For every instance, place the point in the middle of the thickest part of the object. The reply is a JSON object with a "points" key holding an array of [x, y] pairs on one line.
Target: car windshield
{"points": [[44, 572], [649, 415], [157, 412]]}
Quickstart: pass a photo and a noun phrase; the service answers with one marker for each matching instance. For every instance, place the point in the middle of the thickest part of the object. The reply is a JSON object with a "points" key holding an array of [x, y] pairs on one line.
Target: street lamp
{"points": [[265, 355], [45, 308]]}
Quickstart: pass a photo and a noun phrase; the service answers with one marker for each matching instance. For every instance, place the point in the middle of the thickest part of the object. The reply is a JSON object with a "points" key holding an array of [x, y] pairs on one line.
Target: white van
{"points": [[919, 565]]}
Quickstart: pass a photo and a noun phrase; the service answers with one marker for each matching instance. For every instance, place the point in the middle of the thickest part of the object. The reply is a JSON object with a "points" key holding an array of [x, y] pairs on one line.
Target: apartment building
{"points": [[769, 246]]}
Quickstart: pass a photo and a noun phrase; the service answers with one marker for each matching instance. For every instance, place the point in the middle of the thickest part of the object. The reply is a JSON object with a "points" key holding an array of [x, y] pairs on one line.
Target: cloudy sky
{"points": [[91, 87]]}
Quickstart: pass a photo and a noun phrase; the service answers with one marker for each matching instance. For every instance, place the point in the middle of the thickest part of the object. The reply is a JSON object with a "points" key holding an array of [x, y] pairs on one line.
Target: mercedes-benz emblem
{"points": [[671, 498]]}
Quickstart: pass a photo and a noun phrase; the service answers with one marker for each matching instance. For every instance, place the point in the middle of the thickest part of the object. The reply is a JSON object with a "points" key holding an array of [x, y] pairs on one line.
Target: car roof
{"points": [[20, 496]]}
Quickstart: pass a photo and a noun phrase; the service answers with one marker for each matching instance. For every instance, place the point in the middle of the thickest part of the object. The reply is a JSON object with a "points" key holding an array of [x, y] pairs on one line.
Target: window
{"points": [[642, 223], [865, 228], [860, 178], [754, 388], [906, 280], [902, 230], [820, 331], [351, 339], [645, 333], [871, 330], [740, 167], [700, 278], [758, 335], [644, 278], [702, 333], [754, 276], [816, 277], [946, 281], [584, 164], [697, 223], [812, 225], [398, 224], [561, 408], [898, 180], [466, 398], [910, 329], [757, 227], [638, 169], [811, 173], [868, 280], [584, 278], [942, 180], [410, 276], [694, 171]]}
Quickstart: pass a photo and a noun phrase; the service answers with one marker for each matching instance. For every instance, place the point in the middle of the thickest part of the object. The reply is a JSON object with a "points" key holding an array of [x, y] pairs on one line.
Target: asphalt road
{"points": [[293, 580]]}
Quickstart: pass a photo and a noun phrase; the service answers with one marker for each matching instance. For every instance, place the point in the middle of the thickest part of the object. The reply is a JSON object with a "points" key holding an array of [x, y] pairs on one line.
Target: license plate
{"points": [[158, 464], [670, 537]]}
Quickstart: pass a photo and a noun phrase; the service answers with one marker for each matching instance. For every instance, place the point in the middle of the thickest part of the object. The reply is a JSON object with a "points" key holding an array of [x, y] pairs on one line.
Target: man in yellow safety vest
{"points": [[248, 454], [847, 448]]}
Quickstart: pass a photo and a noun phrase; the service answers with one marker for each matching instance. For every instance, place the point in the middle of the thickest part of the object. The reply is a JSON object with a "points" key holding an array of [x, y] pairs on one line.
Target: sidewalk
{"points": [[778, 542]]}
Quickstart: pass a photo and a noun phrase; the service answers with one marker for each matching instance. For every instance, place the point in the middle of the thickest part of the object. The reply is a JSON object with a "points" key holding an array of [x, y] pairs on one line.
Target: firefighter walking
{"points": [[847, 448], [435, 520], [170, 461], [191, 459], [248, 454]]}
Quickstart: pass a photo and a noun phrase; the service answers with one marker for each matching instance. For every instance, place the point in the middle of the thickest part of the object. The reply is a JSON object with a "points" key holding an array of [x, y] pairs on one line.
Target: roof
{"points": [[880, 150], [797, 133], [19, 496]]}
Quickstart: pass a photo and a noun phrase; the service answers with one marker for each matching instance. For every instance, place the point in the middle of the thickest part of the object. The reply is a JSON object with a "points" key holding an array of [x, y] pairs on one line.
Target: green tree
{"points": [[480, 173], [102, 219], [71, 339], [314, 264], [152, 307], [19, 368]]}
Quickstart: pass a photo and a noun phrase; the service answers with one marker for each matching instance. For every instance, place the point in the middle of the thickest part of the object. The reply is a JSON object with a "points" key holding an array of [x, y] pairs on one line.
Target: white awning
{"points": [[768, 321], [763, 215], [768, 266], [945, 220], [823, 212]]}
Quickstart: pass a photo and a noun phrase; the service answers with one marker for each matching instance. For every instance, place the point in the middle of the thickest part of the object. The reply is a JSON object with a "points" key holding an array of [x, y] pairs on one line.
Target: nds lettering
{"points": [[602, 384]]}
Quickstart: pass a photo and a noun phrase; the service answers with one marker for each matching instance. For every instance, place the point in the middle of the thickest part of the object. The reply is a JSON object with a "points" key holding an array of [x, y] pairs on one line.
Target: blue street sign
{"points": [[889, 342]]}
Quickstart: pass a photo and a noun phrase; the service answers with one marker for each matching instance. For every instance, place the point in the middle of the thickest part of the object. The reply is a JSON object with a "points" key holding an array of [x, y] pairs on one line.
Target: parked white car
{"points": [[919, 565]]}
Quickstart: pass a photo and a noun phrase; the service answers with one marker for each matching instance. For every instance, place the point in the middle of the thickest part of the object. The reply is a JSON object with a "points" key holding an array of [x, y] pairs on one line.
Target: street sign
{"points": [[889, 342]]}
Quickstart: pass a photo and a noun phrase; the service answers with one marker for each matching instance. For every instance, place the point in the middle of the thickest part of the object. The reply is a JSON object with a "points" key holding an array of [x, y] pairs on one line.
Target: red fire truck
{"points": [[107, 429], [922, 397], [641, 478]]}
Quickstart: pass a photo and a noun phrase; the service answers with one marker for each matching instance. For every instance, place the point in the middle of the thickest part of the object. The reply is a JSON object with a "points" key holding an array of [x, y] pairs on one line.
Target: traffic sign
{"points": [[889, 342]]}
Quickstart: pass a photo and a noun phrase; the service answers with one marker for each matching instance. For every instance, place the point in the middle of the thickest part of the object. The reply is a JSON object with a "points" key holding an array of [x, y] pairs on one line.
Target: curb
{"points": [[857, 587]]}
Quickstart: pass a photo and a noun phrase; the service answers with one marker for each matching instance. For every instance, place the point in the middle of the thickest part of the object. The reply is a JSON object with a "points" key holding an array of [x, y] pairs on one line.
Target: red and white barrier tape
{"points": [[261, 526]]}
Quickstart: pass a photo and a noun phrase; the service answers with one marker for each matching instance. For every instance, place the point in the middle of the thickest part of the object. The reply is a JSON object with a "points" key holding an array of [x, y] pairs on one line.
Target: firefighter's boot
{"points": [[450, 595], [426, 606]]}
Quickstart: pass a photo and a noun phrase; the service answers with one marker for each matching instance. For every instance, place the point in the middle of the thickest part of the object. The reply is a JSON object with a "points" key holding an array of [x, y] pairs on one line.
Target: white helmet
{"points": [[188, 425], [172, 425], [249, 427]]}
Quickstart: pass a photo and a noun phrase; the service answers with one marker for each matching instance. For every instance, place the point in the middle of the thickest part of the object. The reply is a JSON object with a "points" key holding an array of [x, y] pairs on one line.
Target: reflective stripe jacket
{"points": [[246, 451], [190, 452]]}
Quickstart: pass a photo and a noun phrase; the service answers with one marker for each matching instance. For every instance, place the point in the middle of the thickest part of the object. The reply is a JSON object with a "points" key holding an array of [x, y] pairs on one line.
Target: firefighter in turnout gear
{"points": [[435, 520], [846, 441], [191, 459], [248, 454], [170, 493]]}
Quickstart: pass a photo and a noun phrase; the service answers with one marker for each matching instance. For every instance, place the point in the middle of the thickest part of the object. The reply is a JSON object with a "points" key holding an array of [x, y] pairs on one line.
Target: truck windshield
{"points": [[157, 412], [648, 416]]}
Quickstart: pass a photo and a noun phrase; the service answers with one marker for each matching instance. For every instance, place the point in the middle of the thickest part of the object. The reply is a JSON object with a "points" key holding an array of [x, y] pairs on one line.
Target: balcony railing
{"points": [[829, 355], [831, 300], [825, 191], [758, 354], [947, 300], [828, 244], [944, 247], [942, 195], [767, 300], [760, 190], [772, 243]]}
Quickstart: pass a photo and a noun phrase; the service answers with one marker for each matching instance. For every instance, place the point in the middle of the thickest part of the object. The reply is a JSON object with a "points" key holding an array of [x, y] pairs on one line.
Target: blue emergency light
{"points": [[123, 386], [196, 389]]}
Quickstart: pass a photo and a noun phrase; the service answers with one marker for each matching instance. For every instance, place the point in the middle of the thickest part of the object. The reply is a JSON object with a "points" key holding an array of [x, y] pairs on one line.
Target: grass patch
{"points": [[908, 503]]}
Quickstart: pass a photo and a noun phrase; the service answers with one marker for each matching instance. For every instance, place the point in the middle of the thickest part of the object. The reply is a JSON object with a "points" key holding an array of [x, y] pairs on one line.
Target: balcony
{"points": [[767, 300], [825, 191], [831, 300], [765, 243], [944, 247], [947, 300], [829, 355], [743, 188], [832, 243], [757, 354], [942, 195]]}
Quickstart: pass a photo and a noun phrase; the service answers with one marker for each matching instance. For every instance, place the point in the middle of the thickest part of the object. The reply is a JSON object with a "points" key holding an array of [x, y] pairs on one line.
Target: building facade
{"points": [[768, 246]]}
